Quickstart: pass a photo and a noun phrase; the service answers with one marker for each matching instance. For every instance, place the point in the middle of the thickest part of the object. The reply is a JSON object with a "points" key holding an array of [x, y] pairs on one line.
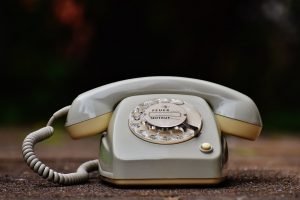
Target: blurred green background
{"points": [[54, 50]]}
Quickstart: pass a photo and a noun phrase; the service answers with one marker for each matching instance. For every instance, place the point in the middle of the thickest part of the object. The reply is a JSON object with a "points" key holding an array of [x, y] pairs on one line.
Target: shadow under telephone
{"points": [[156, 130]]}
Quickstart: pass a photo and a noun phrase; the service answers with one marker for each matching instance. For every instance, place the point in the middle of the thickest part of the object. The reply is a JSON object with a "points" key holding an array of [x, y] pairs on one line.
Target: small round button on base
{"points": [[206, 147]]}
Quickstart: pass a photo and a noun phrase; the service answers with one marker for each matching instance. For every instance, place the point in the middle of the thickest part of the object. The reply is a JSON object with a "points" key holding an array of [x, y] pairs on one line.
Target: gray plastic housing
{"points": [[125, 156], [223, 100]]}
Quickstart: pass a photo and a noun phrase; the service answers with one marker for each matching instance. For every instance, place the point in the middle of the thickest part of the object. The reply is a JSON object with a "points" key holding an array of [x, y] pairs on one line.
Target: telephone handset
{"points": [[157, 130]]}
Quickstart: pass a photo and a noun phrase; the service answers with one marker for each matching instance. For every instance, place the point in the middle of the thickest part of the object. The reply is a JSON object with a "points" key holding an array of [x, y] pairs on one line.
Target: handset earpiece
{"points": [[238, 128], [89, 127]]}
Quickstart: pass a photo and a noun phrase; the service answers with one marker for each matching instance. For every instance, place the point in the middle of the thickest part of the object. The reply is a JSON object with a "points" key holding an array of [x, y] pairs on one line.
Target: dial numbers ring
{"points": [[163, 121]]}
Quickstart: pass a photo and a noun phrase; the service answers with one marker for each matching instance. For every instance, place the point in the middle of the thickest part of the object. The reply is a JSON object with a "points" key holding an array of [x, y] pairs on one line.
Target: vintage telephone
{"points": [[155, 130]]}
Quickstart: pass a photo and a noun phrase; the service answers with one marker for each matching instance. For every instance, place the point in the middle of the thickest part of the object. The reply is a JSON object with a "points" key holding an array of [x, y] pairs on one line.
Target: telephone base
{"points": [[179, 181]]}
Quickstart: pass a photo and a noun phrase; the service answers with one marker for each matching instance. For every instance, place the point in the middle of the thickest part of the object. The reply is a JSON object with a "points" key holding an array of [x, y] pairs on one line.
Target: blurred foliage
{"points": [[56, 49]]}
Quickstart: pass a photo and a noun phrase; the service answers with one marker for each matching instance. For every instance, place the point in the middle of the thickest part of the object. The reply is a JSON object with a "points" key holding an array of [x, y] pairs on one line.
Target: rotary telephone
{"points": [[155, 130]]}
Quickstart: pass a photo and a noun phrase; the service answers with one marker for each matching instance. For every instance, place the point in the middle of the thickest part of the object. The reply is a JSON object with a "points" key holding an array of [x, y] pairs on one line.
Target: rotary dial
{"points": [[165, 121]]}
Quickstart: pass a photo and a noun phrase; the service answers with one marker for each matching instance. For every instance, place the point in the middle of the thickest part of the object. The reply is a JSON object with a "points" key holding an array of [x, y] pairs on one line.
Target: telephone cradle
{"points": [[161, 130]]}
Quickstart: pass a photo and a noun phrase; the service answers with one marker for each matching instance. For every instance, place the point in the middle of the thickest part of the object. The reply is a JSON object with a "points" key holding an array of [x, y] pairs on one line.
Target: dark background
{"points": [[54, 50]]}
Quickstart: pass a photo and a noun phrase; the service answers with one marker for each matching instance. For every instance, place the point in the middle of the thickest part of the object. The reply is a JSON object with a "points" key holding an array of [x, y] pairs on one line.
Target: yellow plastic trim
{"points": [[89, 127], [178, 181], [238, 128]]}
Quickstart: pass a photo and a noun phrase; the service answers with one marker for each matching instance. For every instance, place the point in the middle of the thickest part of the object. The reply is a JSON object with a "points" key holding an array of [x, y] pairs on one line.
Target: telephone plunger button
{"points": [[206, 147]]}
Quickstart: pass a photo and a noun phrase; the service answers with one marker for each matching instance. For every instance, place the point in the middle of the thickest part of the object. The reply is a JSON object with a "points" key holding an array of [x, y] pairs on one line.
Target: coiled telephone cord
{"points": [[80, 176]]}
